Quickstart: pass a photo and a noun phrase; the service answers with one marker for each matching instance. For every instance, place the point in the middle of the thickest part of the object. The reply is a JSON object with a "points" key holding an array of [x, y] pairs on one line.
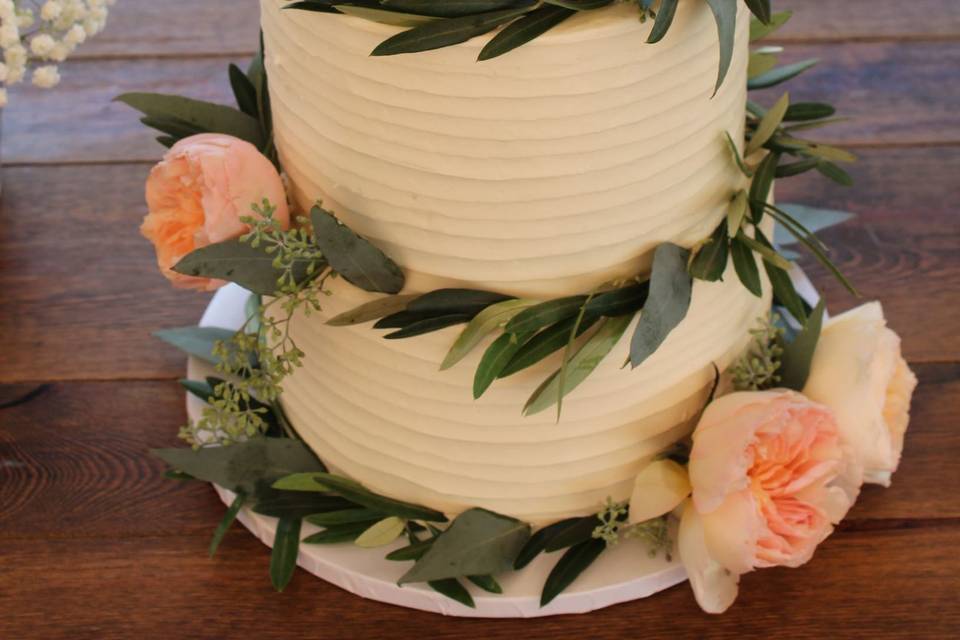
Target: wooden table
{"points": [[96, 543]]}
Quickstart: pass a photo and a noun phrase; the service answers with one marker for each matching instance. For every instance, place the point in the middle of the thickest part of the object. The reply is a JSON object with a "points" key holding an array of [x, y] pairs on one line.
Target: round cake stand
{"points": [[625, 572]]}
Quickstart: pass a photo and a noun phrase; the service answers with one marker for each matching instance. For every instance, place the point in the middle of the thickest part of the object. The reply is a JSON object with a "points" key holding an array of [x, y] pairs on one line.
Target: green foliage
{"points": [[759, 367]]}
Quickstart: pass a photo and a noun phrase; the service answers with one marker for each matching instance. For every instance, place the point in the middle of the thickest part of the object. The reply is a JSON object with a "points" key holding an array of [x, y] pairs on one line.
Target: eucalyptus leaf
{"points": [[250, 267], [226, 522], [524, 29], [381, 533], [725, 14], [477, 542], [580, 365], [283, 557], [449, 31], [196, 341], [573, 563], [244, 466], [204, 116], [373, 310], [798, 354], [670, 290], [483, 324], [359, 262]]}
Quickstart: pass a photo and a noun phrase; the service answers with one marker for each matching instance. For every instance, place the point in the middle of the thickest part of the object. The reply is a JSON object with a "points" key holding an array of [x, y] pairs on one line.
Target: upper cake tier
{"points": [[547, 171]]}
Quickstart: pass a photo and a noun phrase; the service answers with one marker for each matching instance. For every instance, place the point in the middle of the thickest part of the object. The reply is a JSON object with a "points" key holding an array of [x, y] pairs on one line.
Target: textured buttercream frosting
{"points": [[545, 172]]}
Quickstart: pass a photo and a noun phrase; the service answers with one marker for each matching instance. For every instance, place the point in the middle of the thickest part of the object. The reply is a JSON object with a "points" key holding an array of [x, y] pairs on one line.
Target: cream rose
{"points": [[197, 194], [770, 478], [859, 372]]}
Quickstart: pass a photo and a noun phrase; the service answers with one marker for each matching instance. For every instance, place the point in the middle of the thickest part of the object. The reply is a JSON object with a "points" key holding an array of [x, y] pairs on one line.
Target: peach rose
{"points": [[859, 373], [770, 479], [197, 194]]}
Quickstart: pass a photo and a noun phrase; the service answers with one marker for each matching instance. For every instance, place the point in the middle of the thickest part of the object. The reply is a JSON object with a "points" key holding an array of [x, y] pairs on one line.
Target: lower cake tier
{"points": [[381, 412]]}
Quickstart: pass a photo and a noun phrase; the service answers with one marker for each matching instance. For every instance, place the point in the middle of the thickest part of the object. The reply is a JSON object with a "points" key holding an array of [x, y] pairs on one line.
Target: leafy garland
{"points": [[275, 474], [435, 24]]}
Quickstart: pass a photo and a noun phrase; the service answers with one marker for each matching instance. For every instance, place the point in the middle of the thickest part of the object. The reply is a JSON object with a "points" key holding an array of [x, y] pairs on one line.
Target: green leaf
{"points": [[812, 218], [661, 25], [338, 534], [495, 359], [196, 341], [783, 289], [353, 257], [545, 343], [243, 466], [442, 33], [769, 255], [305, 481], [382, 533], [805, 111], [760, 63], [525, 29], [574, 532], [487, 583], [736, 213], [827, 152], [580, 365], [413, 551], [537, 543], [225, 523], [354, 492], [545, 314], [483, 324], [344, 516], [797, 355], [760, 9], [746, 265], [383, 16], [796, 168], [250, 267], [735, 152], [204, 116], [283, 558], [478, 542], [447, 8], [759, 30], [670, 289], [835, 173], [452, 588], [780, 74], [574, 562], [453, 301], [769, 124], [244, 92], [725, 14], [711, 260], [761, 185], [296, 504], [373, 310], [428, 325]]}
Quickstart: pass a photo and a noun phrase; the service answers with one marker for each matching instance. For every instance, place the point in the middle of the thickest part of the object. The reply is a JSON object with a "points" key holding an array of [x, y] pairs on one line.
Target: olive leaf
{"points": [[768, 124], [373, 310], [665, 14], [525, 29], [573, 563], [383, 16], [725, 14], [381, 533], [232, 512], [495, 359], [356, 259], [711, 260], [798, 354], [545, 343], [353, 515], [746, 265], [759, 30], [477, 542], [670, 291], [779, 75], [283, 557], [483, 324]]}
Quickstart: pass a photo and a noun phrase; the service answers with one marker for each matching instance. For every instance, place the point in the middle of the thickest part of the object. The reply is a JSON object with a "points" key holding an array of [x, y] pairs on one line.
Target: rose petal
{"points": [[658, 489]]}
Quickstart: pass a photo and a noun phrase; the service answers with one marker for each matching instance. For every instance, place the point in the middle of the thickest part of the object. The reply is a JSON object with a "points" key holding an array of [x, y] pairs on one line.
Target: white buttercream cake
{"points": [[542, 173]]}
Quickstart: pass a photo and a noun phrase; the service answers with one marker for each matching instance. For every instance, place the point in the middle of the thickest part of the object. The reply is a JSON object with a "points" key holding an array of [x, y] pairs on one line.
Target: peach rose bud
{"points": [[197, 194], [660, 487], [859, 372], [770, 478]]}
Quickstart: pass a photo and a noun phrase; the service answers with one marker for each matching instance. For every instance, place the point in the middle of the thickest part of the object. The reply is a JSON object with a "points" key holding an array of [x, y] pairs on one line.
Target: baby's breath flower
{"points": [[51, 10], [42, 44], [46, 76]]}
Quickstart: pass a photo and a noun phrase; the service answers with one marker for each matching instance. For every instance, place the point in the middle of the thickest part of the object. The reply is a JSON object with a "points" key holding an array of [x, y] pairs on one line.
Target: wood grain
{"points": [[186, 27], [879, 584], [893, 92]]}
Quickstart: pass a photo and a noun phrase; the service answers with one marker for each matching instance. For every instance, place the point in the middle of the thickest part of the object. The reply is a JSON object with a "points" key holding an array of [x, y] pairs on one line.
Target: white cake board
{"points": [[625, 572]]}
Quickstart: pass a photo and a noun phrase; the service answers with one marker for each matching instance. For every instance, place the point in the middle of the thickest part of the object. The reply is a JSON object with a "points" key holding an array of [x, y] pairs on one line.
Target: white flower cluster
{"points": [[37, 35]]}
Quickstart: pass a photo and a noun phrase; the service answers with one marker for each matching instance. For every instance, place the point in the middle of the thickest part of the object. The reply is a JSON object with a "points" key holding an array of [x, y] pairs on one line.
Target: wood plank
{"points": [[895, 93], [186, 27], [75, 463], [881, 584], [91, 317], [81, 290]]}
